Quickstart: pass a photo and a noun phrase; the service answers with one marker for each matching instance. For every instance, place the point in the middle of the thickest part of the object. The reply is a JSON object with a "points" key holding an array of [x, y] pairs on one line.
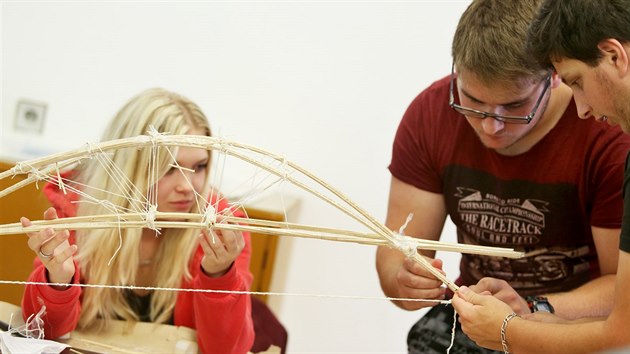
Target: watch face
{"points": [[542, 307], [539, 303]]}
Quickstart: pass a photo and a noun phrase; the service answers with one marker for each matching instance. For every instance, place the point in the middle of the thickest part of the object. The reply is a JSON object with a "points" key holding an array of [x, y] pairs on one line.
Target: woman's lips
{"points": [[182, 204]]}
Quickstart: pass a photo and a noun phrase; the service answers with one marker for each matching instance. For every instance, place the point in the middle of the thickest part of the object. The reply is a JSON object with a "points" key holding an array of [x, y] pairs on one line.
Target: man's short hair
{"points": [[573, 29], [491, 40]]}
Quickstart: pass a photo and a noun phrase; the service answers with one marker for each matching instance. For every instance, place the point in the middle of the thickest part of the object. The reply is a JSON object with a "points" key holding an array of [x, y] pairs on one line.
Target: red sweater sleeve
{"points": [[223, 320], [62, 306]]}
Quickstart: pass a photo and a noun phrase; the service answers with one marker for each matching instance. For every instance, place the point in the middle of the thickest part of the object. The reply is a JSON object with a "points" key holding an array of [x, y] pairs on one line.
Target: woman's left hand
{"points": [[221, 248]]}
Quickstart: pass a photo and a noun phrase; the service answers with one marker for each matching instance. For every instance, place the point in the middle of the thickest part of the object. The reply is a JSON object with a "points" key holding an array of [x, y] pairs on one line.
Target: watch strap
{"points": [[539, 303]]}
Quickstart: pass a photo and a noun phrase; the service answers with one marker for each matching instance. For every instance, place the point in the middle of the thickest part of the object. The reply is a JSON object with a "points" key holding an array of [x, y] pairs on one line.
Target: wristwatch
{"points": [[539, 303]]}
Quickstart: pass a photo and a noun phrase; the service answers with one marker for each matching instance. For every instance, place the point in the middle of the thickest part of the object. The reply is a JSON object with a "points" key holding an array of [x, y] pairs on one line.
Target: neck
{"points": [[149, 246]]}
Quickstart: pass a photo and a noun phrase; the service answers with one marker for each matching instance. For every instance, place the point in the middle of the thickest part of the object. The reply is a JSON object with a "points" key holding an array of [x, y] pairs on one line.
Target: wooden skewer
{"points": [[50, 164], [265, 227]]}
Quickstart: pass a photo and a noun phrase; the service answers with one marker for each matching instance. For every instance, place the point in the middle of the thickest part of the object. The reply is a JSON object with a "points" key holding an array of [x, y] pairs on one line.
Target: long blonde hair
{"points": [[169, 113]]}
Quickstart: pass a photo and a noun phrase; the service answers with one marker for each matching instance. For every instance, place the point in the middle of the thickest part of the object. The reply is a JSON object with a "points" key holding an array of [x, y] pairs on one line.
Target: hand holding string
{"points": [[53, 249]]}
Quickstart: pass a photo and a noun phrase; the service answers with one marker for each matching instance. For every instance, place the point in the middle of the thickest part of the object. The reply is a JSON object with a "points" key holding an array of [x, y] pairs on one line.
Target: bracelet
{"points": [[503, 327]]}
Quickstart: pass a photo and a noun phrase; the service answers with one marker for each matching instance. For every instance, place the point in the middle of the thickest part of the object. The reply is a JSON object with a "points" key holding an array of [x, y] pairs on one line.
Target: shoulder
{"points": [[435, 94]]}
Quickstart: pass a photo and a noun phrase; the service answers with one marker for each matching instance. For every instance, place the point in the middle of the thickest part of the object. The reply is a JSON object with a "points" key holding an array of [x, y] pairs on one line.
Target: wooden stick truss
{"points": [[146, 215]]}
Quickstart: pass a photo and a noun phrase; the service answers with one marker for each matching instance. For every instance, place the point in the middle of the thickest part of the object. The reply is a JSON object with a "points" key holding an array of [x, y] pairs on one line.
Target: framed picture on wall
{"points": [[29, 116]]}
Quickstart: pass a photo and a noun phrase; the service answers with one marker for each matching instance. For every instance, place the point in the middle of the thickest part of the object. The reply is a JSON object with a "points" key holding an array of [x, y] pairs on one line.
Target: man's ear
{"points": [[614, 53], [556, 80]]}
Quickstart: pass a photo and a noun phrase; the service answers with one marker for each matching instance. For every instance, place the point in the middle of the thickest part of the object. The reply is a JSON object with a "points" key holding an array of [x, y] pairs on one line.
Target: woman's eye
{"points": [[201, 167]]}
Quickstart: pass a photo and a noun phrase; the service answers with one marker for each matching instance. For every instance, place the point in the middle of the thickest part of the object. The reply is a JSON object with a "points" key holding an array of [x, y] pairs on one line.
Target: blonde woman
{"points": [[176, 258]]}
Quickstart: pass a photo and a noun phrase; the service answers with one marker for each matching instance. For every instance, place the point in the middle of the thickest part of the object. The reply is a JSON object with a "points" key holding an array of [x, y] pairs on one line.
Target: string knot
{"points": [[154, 134], [90, 149], [150, 217], [19, 169], [405, 244], [34, 173], [209, 216], [285, 169], [222, 144]]}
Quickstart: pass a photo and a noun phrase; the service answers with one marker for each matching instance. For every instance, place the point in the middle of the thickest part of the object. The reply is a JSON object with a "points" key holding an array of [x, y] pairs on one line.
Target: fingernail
{"points": [[464, 290], [50, 232]]}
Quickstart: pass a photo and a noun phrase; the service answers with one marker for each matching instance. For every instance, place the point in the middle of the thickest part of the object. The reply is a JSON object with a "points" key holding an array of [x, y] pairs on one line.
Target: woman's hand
{"points": [[53, 249], [221, 248]]}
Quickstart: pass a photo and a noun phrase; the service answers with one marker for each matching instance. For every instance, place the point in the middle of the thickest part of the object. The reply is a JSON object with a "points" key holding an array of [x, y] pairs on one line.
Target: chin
{"points": [[496, 144]]}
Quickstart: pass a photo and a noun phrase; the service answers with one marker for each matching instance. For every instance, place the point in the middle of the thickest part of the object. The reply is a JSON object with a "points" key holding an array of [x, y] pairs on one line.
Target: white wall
{"points": [[324, 83]]}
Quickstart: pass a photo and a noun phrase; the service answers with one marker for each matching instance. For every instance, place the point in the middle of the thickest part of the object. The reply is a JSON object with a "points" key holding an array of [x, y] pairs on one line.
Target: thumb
{"points": [[470, 296]]}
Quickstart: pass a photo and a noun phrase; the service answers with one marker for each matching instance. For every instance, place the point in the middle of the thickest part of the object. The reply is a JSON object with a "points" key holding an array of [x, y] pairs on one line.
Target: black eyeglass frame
{"points": [[473, 113]]}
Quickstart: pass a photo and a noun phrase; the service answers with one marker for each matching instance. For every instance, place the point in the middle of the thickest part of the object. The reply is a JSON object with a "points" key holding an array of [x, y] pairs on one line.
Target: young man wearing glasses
{"points": [[588, 43], [496, 147]]}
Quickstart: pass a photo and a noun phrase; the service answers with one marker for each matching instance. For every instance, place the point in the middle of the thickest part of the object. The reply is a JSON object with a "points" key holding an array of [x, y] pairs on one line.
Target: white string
{"points": [[404, 243], [153, 288], [33, 326], [130, 192], [284, 169], [119, 241], [448, 350], [404, 226], [181, 170], [152, 176], [139, 202], [18, 169]]}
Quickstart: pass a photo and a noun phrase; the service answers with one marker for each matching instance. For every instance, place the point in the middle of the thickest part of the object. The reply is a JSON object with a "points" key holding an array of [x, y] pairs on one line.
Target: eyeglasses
{"points": [[473, 113]]}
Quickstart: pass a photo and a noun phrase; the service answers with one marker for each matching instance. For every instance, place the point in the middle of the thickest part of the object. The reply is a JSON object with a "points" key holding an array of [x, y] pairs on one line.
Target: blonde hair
{"points": [[491, 41], [169, 113]]}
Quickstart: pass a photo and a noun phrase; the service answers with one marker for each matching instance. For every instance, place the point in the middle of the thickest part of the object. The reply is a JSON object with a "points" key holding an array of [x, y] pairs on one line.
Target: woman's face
{"points": [[177, 189]]}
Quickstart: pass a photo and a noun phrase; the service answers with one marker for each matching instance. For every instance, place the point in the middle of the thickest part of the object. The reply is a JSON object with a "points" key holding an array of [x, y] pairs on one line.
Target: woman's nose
{"points": [[182, 184]]}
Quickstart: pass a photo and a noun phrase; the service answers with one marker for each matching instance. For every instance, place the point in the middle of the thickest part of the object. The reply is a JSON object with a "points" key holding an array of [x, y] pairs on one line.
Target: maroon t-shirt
{"points": [[624, 243], [543, 202]]}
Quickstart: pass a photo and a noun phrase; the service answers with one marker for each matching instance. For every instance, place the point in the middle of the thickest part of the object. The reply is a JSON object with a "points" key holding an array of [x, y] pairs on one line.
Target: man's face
{"points": [[596, 91], [516, 98]]}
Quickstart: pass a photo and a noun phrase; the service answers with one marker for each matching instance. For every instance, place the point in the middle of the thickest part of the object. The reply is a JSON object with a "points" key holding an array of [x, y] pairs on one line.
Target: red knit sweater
{"points": [[223, 321]]}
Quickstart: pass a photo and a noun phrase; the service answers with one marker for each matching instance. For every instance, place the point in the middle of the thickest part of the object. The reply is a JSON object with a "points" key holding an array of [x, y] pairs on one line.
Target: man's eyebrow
{"points": [[515, 102]]}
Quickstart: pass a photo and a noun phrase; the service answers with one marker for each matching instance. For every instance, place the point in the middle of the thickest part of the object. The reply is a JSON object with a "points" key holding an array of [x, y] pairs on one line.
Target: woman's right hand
{"points": [[53, 249]]}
